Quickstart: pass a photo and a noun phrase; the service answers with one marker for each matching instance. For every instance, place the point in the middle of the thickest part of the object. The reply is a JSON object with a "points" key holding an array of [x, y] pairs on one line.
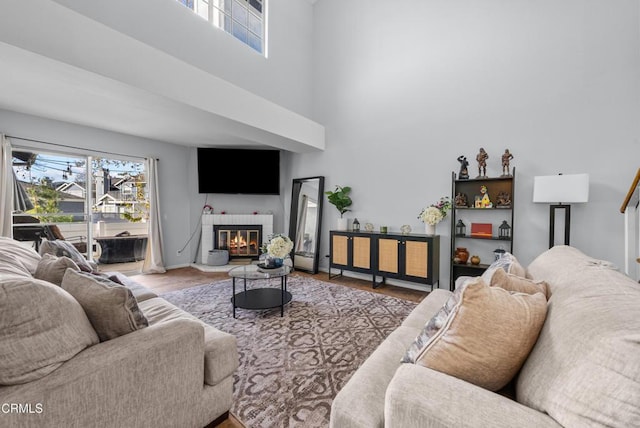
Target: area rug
{"points": [[292, 367]]}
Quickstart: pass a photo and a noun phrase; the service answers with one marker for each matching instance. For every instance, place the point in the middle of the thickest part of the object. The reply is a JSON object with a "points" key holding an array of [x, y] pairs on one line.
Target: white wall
{"points": [[404, 88], [284, 77]]}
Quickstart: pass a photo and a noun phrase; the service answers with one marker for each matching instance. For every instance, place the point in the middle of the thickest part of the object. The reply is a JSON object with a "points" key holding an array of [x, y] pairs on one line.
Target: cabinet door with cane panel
{"points": [[411, 258], [352, 251]]}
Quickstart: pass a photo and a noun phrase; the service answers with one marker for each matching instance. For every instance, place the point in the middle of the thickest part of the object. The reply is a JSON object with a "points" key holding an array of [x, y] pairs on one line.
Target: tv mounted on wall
{"points": [[238, 171]]}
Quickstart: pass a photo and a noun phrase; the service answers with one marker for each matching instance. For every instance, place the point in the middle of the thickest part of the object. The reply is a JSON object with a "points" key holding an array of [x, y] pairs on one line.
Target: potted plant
{"points": [[341, 200]]}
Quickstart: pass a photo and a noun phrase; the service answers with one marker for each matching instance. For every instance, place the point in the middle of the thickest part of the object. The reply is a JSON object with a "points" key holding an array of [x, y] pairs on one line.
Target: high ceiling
{"points": [[157, 96]]}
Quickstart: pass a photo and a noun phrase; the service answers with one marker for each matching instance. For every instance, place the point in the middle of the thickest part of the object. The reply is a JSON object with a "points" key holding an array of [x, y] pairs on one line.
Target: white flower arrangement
{"points": [[431, 215], [279, 246], [435, 213]]}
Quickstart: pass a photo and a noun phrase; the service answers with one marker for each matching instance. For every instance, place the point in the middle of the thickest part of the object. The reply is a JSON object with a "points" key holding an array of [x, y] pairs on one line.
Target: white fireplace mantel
{"points": [[209, 220]]}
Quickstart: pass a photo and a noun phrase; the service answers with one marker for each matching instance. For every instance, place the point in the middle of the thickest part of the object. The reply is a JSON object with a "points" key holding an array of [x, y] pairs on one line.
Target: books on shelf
{"points": [[481, 230]]}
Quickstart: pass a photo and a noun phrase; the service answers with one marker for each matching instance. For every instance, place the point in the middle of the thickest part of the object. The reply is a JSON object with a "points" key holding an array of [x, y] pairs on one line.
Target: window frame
{"points": [[226, 19]]}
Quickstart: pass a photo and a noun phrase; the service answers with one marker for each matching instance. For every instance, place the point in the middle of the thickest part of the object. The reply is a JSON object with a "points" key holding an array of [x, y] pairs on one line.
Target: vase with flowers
{"points": [[275, 250], [434, 214]]}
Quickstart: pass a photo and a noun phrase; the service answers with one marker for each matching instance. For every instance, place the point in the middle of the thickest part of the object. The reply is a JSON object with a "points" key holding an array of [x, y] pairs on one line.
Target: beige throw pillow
{"points": [[52, 268], [509, 263], [431, 328], [41, 327], [111, 308], [517, 284], [65, 248], [487, 336]]}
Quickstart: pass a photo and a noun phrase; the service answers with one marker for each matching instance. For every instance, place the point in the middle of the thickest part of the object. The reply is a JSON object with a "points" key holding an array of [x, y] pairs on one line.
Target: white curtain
{"points": [[153, 261], [6, 188]]}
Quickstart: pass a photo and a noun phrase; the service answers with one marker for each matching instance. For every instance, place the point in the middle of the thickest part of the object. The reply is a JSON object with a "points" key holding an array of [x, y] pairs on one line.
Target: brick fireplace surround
{"points": [[209, 220]]}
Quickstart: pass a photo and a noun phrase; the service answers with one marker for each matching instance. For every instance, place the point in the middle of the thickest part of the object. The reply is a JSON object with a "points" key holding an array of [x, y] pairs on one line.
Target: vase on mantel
{"points": [[430, 229]]}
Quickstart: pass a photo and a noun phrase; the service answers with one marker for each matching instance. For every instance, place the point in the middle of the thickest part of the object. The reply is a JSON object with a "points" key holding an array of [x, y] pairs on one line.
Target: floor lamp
{"points": [[560, 191]]}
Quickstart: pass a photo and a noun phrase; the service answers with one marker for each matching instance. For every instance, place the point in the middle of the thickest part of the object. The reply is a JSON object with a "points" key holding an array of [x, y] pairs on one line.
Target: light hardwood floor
{"points": [[178, 279]]}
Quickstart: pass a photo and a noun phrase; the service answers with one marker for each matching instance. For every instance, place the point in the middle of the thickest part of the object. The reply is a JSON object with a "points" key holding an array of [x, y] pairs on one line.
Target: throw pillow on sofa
{"points": [[111, 308], [64, 248], [509, 263], [41, 327], [52, 268], [485, 337], [430, 329], [517, 284]]}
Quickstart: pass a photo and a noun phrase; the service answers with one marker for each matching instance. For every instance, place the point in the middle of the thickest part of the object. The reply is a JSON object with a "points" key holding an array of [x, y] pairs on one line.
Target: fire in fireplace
{"points": [[240, 240]]}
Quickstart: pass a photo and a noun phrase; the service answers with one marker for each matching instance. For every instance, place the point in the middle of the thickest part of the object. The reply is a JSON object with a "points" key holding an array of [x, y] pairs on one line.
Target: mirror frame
{"points": [[293, 219]]}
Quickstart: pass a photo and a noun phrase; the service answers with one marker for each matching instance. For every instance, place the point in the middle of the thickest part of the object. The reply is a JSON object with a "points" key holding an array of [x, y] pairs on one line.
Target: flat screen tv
{"points": [[238, 171]]}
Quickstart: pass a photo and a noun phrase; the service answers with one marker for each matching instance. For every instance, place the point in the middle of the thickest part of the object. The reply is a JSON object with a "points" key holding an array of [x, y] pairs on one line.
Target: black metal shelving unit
{"points": [[471, 187]]}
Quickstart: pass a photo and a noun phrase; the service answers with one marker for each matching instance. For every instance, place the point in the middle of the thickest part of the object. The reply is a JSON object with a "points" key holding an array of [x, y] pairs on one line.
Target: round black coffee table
{"points": [[263, 297]]}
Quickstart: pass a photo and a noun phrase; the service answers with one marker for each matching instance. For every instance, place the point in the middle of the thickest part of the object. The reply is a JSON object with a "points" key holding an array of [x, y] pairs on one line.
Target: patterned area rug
{"points": [[292, 367]]}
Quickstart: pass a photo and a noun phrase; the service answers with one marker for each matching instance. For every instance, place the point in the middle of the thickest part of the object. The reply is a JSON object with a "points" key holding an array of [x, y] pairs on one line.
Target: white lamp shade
{"points": [[561, 188]]}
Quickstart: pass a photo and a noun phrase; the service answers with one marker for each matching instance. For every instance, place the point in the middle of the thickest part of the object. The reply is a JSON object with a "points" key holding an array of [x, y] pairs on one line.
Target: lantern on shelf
{"points": [[504, 230], [356, 225], [461, 229]]}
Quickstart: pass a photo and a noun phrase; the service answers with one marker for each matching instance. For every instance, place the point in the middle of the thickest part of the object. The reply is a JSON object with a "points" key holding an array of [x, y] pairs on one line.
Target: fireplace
{"points": [[249, 221], [242, 241]]}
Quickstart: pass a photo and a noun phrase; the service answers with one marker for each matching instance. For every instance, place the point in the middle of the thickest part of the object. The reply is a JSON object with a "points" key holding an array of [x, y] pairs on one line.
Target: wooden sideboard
{"points": [[410, 257]]}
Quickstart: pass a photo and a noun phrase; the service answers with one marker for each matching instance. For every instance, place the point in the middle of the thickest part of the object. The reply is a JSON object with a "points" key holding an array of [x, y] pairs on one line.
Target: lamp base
{"points": [[552, 223]]}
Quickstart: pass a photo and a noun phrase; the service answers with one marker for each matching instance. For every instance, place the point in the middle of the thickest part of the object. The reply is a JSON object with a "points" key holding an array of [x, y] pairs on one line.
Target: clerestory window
{"points": [[244, 19]]}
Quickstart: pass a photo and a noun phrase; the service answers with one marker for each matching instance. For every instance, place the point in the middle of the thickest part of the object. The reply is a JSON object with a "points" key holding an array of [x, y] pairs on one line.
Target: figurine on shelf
{"points": [[506, 159], [461, 200], [503, 200], [464, 171], [482, 163], [485, 201]]}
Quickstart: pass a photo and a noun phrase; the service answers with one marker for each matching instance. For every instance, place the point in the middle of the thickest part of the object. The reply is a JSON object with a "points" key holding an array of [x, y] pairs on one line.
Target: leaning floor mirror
{"points": [[304, 223]]}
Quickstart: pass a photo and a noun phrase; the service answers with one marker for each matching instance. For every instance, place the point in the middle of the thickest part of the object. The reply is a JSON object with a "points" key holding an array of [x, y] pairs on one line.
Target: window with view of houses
{"points": [[244, 19], [82, 196]]}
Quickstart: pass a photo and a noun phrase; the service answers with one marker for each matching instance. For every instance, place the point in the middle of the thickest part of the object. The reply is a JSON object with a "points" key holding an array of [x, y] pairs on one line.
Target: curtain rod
{"points": [[72, 147]]}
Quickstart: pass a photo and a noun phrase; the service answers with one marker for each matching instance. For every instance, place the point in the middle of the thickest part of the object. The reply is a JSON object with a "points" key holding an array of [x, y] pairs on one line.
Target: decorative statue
{"points": [[503, 200], [482, 163], [461, 200], [506, 158], [485, 202], [464, 171]]}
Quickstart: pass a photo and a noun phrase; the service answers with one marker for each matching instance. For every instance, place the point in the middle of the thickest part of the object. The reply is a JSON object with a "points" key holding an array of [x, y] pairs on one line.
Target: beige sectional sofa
{"points": [[175, 372], [583, 371]]}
